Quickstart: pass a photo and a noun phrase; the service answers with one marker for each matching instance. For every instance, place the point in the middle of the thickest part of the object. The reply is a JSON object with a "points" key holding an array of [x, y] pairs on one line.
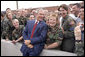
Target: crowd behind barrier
{"points": [[65, 29]]}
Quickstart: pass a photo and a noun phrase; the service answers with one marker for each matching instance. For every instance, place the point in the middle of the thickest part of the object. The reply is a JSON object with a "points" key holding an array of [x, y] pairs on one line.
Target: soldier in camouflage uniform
{"points": [[68, 25], [54, 35], [3, 33], [17, 32], [7, 27], [22, 20], [4, 29], [79, 37], [21, 17]]}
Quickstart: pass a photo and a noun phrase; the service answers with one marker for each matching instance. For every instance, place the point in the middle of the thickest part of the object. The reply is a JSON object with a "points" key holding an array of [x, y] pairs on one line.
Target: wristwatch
{"points": [[78, 41]]}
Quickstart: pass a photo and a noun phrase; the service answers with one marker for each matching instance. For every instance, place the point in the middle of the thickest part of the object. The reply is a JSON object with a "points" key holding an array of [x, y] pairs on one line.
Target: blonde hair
{"points": [[54, 15]]}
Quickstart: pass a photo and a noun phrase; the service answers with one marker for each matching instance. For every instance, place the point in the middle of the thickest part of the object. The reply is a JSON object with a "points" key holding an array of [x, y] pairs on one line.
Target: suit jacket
{"points": [[38, 39]]}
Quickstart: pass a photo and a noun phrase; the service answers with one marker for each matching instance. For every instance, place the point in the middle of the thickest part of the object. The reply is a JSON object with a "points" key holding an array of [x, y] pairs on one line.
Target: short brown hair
{"points": [[63, 6], [77, 4]]}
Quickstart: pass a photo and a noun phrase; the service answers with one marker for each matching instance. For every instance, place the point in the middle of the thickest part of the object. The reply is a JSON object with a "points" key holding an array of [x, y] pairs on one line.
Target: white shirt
{"points": [[60, 21], [36, 21]]}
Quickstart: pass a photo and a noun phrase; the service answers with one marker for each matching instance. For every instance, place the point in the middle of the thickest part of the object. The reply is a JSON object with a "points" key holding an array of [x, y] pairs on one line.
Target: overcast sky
{"points": [[33, 4]]}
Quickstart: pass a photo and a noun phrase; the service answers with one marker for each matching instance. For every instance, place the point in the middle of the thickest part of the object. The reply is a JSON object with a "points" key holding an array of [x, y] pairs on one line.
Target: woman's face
{"points": [[8, 11], [10, 15], [81, 14], [52, 21]]}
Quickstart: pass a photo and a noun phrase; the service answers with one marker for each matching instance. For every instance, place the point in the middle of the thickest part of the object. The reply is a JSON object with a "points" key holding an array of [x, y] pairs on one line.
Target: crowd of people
{"points": [[65, 27]]}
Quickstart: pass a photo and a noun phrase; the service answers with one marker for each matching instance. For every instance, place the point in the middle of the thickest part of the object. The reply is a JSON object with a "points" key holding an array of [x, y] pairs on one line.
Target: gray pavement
{"points": [[10, 49]]}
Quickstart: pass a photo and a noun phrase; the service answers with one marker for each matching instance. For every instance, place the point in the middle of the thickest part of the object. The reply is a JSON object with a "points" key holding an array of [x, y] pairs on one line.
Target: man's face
{"points": [[23, 12], [31, 17], [34, 12], [40, 15], [18, 13], [63, 12], [74, 9], [16, 23]]}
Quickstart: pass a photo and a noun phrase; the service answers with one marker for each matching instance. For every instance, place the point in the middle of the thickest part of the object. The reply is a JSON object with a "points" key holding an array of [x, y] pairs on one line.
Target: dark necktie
{"points": [[33, 29]]}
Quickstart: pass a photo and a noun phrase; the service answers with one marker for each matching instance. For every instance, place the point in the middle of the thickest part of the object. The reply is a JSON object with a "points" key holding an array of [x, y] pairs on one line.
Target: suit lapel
{"points": [[31, 25]]}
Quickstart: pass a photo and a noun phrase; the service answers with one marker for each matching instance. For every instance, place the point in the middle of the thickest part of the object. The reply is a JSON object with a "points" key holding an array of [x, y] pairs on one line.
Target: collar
{"points": [[66, 17], [36, 21]]}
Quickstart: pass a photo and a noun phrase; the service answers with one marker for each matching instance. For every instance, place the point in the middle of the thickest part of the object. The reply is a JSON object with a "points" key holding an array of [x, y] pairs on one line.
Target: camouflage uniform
{"points": [[17, 33], [54, 35], [79, 48], [68, 42], [22, 20], [4, 28], [9, 29], [79, 44]]}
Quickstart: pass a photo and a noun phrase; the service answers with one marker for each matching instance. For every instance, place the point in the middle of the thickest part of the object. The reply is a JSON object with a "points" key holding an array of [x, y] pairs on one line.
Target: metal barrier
{"points": [[10, 49]]}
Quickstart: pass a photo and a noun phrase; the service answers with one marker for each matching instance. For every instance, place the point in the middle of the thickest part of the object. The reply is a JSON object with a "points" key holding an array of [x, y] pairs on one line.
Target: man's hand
{"points": [[30, 46], [77, 33], [27, 42]]}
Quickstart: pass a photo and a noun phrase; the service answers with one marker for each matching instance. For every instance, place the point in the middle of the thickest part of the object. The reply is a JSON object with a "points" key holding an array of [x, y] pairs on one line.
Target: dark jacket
{"points": [[38, 39]]}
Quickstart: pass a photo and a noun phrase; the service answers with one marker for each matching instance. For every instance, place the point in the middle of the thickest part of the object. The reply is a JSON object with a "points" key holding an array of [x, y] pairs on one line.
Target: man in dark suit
{"points": [[34, 36]]}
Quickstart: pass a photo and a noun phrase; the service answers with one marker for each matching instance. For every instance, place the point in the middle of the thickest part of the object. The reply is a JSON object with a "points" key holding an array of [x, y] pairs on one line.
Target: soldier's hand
{"points": [[7, 39], [46, 47], [27, 42], [30, 46], [14, 42]]}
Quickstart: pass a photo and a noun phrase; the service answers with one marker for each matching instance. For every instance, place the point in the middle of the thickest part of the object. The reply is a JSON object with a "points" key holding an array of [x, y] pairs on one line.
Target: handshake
{"points": [[27, 42]]}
